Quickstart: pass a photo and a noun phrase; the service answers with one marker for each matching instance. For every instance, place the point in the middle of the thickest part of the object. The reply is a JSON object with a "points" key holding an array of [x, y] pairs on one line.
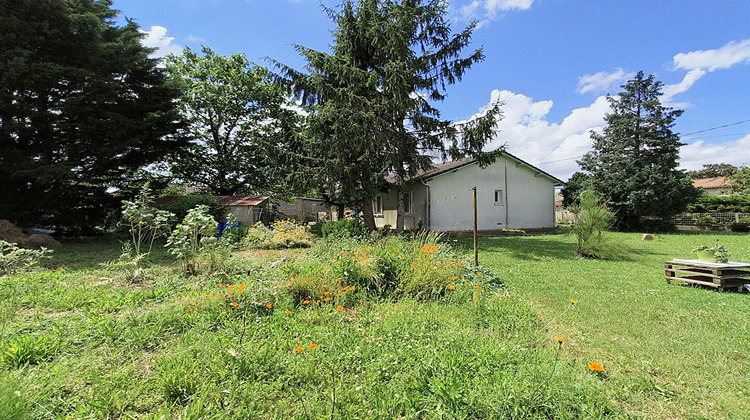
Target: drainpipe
{"points": [[427, 204], [507, 202]]}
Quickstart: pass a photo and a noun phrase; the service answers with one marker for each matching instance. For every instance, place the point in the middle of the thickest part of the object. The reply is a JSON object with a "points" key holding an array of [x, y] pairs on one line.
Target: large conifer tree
{"points": [[82, 108], [371, 100], [634, 162]]}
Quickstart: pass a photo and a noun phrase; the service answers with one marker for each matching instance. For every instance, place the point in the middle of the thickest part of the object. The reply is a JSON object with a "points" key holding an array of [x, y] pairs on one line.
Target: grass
{"points": [[671, 352], [77, 341]]}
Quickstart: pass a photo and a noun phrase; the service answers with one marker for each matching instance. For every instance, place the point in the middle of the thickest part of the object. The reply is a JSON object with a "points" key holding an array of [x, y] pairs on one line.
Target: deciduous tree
{"points": [[634, 162]]}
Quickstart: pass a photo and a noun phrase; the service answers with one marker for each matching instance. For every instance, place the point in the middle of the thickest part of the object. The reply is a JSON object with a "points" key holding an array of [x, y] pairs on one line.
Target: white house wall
{"points": [[528, 200]]}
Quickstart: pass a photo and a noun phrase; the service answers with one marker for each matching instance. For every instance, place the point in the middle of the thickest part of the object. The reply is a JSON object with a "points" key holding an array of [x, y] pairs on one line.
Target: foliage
{"points": [[572, 190], [742, 225], [185, 203], [345, 228], [281, 234], [634, 162], [237, 118], [14, 259], [720, 204], [185, 242], [704, 220], [719, 251], [713, 170], [371, 100], [83, 109], [591, 218], [143, 222], [740, 181], [28, 350]]}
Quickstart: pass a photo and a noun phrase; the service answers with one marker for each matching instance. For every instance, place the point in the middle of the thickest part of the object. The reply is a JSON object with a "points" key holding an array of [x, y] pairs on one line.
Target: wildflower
{"points": [[451, 287], [306, 302], [218, 296], [292, 274], [288, 312], [269, 306], [299, 349], [326, 293], [573, 302], [230, 295], [242, 286], [326, 299], [476, 297], [235, 304], [454, 278], [232, 287], [190, 310], [479, 288], [338, 295], [560, 340], [313, 346], [479, 272], [347, 288], [596, 367], [209, 296], [220, 284], [340, 308]]}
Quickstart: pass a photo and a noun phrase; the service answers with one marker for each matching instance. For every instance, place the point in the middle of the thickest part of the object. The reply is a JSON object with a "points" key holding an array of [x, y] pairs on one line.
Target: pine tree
{"points": [[371, 100], [82, 108], [634, 162]]}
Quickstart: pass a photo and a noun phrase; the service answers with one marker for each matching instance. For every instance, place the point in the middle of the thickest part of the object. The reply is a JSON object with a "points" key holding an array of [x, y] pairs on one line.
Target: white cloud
{"points": [[551, 146], [486, 10], [157, 38], [710, 60], [602, 82], [196, 39], [696, 154]]}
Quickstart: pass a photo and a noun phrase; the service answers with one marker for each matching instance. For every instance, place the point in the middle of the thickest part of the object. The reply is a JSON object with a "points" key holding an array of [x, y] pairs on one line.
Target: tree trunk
{"points": [[399, 211], [340, 210], [368, 215]]}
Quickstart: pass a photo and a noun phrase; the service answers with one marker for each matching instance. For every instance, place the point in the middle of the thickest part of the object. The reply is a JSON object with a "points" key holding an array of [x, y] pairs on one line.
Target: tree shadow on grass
{"points": [[92, 253], [521, 248]]}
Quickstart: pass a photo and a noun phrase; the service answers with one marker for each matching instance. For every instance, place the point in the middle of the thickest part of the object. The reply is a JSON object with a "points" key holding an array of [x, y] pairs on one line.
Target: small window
{"points": [[499, 201], [407, 202], [377, 206]]}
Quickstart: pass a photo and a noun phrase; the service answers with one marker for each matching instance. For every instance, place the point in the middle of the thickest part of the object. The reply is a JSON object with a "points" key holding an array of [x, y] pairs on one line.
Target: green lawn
{"points": [[671, 352], [79, 341]]}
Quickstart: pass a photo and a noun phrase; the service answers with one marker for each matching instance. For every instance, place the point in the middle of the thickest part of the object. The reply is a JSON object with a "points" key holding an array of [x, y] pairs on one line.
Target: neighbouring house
{"points": [[714, 186], [247, 209], [511, 194], [303, 209]]}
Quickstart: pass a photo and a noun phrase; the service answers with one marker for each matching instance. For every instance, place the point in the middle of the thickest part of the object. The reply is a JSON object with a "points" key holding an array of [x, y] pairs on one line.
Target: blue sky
{"points": [[550, 61]]}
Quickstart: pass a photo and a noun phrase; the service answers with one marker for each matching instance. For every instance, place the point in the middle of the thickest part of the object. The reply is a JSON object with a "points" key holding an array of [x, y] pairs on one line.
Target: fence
{"points": [[708, 219]]}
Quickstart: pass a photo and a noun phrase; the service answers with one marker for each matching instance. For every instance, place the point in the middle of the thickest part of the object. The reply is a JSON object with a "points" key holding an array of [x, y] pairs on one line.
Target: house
{"points": [[511, 194], [714, 186], [248, 210]]}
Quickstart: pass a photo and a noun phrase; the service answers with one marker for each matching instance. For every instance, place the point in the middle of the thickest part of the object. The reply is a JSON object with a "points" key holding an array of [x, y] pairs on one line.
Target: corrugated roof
{"points": [[235, 201], [718, 182]]}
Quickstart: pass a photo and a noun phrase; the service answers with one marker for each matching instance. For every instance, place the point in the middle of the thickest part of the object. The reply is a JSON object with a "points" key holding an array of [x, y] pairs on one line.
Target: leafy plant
{"points": [[28, 350], [14, 258], [185, 240], [719, 251], [281, 234], [347, 228]]}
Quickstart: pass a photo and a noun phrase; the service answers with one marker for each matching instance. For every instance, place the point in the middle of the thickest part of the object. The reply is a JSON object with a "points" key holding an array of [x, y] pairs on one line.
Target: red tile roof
{"points": [[718, 182]]}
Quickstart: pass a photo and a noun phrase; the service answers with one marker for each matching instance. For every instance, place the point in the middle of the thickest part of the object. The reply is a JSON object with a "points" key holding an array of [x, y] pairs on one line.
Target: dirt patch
{"points": [[13, 234]]}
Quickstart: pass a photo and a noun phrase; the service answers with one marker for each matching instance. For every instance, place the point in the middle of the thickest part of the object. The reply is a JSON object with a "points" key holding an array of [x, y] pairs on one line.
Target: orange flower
{"points": [[220, 284], [313, 346], [353, 288], [454, 278], [560, 340], [451, 287], [232, 287], [269, 306], [326, 293], [326, 299], [340, 308], [242, 286], [218, 296], [209, 296], [479, 288], [287, 312], [476, 297], [306, 302], [596, 367], [299, 349], [235, 304], [292, 274], [190, 310], [338, 294], [479, 272], [230, 295], [347, 288]]}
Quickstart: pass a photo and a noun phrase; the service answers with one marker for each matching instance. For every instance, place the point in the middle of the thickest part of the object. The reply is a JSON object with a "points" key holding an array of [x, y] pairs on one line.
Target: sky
{"points": [[552, 63]]}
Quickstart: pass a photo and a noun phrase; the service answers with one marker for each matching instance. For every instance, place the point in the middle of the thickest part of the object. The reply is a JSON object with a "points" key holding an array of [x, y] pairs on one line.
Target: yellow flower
{"points": [[573, 302], [476, 297], [560, 340], [596, 367], [451, 287]]}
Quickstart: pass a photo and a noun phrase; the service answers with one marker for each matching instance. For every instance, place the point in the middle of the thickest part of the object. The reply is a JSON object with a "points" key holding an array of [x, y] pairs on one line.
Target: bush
{"points": [[183, 204], [591, 219], [281, 234], [743, 225], [344, 229], [185, 241], [737, 203], [13, 258]]}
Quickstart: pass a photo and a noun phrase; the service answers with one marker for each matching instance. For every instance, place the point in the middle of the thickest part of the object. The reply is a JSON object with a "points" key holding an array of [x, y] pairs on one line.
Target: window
{"points": [[408, 202], [499, 201], [377, 206]]}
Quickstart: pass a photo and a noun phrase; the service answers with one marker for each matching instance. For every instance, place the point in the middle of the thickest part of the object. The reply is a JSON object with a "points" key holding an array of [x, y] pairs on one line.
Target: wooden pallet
{"points": [[721, 276]]}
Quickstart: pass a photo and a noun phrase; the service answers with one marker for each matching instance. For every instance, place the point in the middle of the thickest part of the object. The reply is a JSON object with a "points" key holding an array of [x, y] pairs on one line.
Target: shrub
{"points": [[28, 350], [184, 204], [281, 234], [743, 225], [591, 219], [185, 241], [344, 229], [14, 259]]}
